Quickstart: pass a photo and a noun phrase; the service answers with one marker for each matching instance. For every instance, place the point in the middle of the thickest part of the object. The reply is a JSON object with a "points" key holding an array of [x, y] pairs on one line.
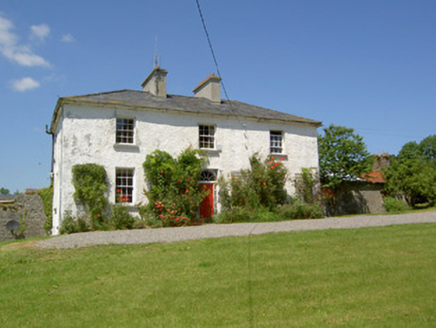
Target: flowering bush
{"points": [[173, 191], [260, 186]]}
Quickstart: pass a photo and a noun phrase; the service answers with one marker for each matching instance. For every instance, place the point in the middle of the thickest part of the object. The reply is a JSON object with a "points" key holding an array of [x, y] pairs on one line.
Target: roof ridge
{"points": [[98, 93]]}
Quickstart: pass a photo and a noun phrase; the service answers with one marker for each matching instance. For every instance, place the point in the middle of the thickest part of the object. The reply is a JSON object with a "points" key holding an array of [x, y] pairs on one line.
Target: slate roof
{"points": [[184, 104]]}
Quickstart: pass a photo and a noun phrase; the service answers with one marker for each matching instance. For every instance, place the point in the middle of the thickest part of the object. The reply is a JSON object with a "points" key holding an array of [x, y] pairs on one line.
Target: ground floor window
{"points": [[124, 185]]}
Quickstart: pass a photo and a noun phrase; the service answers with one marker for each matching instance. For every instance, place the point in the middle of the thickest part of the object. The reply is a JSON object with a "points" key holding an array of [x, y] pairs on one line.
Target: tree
{"points": [[343, 158], [413, 173], [428, 148], [409, 151], [4, 191]]}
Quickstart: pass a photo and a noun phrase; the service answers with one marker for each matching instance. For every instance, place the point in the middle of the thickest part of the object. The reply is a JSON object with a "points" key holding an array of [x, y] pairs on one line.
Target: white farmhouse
{"points": [[118, 129]]}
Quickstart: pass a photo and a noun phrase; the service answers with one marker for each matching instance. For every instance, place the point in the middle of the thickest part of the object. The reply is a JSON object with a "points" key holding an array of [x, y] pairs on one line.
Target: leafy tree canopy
{"points": [[413, 172], [4, 191], [428, 148], [343, 157]]}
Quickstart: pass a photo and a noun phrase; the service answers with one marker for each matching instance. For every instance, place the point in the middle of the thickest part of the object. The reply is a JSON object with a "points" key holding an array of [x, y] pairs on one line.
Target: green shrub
{"points": [[82, 224], [68, 224], [395, 205], [174, 195], [261, 186], [237, 214], [120, 218], [299, 210], [246, 214], [149, 218], [46, 195]]}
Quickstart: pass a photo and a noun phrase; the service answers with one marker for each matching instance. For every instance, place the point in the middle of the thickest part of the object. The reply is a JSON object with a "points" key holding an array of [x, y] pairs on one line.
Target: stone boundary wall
{"points": [[13, 207], [361, 199]]}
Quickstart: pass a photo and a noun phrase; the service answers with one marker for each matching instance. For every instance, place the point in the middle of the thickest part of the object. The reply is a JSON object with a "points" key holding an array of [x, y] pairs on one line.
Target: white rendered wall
{"points": [[88, 136]]}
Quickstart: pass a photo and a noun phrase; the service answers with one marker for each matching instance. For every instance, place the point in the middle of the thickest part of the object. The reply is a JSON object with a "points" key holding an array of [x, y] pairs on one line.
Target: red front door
{"points": [[206, 206]]}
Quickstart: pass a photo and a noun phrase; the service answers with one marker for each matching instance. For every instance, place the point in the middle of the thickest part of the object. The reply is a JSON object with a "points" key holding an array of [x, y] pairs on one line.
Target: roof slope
{"points": [[141, 99]]}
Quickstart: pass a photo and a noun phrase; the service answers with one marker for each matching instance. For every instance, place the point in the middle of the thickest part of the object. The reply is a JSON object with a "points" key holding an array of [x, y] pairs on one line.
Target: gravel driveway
{"points": [[145, 236]]}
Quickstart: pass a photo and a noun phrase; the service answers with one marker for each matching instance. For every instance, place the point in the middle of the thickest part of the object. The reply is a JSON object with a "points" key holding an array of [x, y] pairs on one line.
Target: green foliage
{"points": [[246, 214], [413, 172], [301, 210], [120, 218], [394, 205], [427, 148], [46, 195], [4, 191], [307, 187], [90, 183], [23, 225], [174, 194], [68, 224], [342, 158], [259, 195], [263, 185], [410, 150]]}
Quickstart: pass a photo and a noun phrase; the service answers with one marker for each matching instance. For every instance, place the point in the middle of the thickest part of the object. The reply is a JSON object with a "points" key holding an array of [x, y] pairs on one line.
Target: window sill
{"points": [[128, 205], [121, 146], [210, 151], [279, 156]]}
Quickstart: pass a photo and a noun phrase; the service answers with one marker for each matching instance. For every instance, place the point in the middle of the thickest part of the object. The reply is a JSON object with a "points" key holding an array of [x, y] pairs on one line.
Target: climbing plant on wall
{"points": [[90, 183]]}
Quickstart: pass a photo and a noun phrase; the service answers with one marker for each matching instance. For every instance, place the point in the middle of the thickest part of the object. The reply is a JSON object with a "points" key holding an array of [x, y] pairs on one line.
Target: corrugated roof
{"points": [[374, 177], [141, 99]]}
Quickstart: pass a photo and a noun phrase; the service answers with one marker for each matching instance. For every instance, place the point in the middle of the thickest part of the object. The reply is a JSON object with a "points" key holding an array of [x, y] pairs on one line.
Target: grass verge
{"points": [[378, 277]]}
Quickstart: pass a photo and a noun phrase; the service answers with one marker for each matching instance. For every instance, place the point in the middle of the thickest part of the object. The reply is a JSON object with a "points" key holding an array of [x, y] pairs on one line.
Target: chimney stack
{"points": [[156, 83], [209, 88]]}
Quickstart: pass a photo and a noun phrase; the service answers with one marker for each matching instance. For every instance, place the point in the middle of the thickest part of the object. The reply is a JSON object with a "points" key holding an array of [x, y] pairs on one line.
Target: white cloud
{"points": [[40, 31], [15, 52], [68, 38], [26, 83]]}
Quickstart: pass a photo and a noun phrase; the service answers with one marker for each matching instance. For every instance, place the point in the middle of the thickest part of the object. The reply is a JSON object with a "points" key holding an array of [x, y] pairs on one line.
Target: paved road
{"points": [[146, 236]]}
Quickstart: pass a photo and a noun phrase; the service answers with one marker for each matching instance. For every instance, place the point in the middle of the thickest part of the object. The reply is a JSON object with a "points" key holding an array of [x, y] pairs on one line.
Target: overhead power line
{"points": [[219, 73]]}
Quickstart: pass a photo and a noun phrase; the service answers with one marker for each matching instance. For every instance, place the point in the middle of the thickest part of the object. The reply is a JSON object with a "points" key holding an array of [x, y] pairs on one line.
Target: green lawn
{"points": [[371, 277]]}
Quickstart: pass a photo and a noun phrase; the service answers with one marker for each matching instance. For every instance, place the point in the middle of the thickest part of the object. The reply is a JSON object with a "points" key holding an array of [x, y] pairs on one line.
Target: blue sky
{"points": [[369, 64]]}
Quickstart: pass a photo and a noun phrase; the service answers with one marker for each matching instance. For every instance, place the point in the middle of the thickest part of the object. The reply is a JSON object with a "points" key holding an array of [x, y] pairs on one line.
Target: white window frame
{"points": [[206, 139], [124, 185], [276, 142], [122, 136]]}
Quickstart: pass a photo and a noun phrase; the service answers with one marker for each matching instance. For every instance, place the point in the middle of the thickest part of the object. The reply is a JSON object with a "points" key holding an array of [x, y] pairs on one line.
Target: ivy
{"points": [[90, 183], [46, 195]]}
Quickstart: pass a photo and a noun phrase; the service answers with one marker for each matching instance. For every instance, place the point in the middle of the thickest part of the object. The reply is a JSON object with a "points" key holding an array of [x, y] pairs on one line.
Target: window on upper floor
{"points": [[206, 136], [125, 131], [276, 142], [124, 185]]}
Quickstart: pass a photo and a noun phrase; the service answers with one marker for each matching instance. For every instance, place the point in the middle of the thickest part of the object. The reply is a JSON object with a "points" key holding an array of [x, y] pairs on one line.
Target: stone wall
{"points": [[361, 198], [14, 206]]}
